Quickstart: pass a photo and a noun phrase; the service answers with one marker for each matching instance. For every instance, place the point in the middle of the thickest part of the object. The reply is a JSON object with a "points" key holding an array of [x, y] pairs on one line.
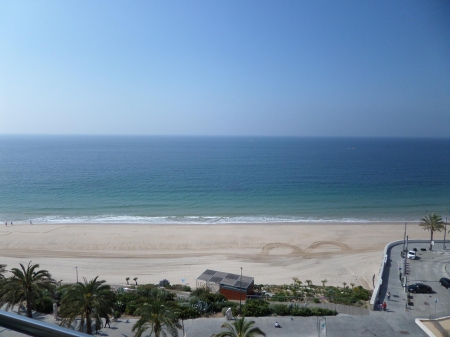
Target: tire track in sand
{"points": [[297, 251]]}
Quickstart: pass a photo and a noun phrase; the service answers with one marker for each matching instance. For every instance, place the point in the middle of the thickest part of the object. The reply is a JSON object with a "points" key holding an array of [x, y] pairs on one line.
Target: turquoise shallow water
{"points": [[221, 179]]}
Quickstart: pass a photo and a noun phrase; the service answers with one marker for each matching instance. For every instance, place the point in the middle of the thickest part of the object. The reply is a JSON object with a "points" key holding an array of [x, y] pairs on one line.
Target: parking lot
{"points": [[427, 268]]}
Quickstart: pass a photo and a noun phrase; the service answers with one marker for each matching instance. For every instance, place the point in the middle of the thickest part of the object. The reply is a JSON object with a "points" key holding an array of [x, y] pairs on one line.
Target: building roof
{"points": [[226, 279]]}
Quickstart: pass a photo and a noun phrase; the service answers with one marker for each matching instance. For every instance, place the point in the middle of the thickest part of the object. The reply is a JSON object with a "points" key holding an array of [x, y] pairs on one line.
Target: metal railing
{"points": [[32, 327]]}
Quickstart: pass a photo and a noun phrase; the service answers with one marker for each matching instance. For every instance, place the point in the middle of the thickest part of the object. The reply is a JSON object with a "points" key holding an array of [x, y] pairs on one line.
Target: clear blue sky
{"points": [[294, 68]]}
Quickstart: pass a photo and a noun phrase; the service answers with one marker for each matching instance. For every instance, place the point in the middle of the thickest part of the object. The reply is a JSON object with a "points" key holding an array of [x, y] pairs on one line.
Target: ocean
{"points": [[207, 180]]}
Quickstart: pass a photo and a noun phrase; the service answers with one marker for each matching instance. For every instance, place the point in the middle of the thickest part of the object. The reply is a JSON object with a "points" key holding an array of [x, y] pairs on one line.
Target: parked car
{"points": [[423, 249], [412, 255], [445, 282], [419, 288]]}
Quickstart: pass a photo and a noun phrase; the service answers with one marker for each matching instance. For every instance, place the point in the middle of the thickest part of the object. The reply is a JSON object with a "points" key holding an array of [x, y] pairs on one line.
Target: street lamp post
{"points": [[76, 268], [404, 237], [445, 231], [240, 297]]}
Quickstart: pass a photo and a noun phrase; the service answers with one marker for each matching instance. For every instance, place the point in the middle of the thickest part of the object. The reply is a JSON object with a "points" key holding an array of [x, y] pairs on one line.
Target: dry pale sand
{"points": [[271, 253]]}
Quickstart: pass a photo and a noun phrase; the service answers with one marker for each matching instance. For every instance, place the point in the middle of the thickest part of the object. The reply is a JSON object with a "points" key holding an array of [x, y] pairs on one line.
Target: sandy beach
{"points": [[271, 253]]}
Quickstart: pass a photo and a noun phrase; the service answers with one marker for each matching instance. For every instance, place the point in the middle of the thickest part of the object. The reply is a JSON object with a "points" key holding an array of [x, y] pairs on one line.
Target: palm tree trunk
{"points": [[158, 329], [88, 324], [29, 313]]}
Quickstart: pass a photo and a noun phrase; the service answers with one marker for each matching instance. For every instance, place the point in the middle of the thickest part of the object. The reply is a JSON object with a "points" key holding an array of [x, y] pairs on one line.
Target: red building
{"points": [[232, 286]]}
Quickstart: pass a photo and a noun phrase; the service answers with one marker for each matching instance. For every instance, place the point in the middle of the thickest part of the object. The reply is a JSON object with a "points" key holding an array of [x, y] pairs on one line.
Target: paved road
{"points": [[397, 321]]}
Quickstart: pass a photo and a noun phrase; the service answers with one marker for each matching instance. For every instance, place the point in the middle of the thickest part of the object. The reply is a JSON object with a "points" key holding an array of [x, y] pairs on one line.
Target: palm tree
{"points": [[352, 284], [25, 285], [323, 282], [135, 280], [2, 271], [344, 284], [309, 282], [88, 300], [159, 316], [127, 279], [240, 328], [433, 223]]}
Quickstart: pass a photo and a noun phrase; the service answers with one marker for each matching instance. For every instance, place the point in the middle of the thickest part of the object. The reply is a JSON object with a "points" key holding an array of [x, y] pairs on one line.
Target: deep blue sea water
{"points": [[221, 179]]}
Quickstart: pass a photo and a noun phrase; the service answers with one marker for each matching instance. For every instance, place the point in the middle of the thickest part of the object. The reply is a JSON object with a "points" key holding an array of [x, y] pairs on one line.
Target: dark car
{"points": [[419, 288], [445, 282]]}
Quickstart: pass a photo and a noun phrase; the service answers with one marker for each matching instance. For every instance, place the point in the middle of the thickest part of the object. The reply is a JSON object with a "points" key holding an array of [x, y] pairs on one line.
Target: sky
{"points": [[257, 68]]}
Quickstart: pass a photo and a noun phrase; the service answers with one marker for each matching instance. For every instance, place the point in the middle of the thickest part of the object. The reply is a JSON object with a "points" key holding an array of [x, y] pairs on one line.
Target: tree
{"points": [[92, 299], [25, 285], [2, 271], [127, 279], [352, 285], [240, 328], [297, 281], [433, 223], [135, 280], [159, 316], [323, 282], [344, 284], [309, 282]]}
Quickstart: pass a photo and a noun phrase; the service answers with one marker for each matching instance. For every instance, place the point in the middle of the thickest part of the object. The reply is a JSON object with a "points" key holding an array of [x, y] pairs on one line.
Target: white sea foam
{"points": [[200, 219]]}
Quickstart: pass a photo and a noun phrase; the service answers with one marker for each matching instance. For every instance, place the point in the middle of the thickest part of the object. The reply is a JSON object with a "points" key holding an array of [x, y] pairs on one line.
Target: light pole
{"points": [[404, 238], [240, 297], [445, 232], [76, 268]]}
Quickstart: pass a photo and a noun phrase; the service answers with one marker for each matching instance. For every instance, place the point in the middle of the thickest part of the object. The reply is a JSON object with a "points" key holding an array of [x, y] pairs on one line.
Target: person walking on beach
{"points": [[107, 321], [389, 295]]}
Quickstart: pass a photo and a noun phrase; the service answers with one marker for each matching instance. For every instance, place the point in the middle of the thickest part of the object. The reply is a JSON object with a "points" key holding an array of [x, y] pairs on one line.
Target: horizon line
{"points": [[211, 135]]}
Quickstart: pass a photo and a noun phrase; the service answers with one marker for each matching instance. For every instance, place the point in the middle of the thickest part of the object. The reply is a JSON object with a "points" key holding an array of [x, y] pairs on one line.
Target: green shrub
{"points": [[179, 287], [316, 300], [360, 293], [119, 306], [279, 309], [44, 305], [305, 312], [164, 283], [131, 308], [218, 306], [207, 296], [204, 308], [187, 312], [301, 311], [199, 291], [277, 299], [256, 308], [145, 290]]}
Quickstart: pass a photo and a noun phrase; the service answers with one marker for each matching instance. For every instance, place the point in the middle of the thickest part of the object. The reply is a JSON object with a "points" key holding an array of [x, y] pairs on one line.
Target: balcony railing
{"points": [[34, 327]]}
